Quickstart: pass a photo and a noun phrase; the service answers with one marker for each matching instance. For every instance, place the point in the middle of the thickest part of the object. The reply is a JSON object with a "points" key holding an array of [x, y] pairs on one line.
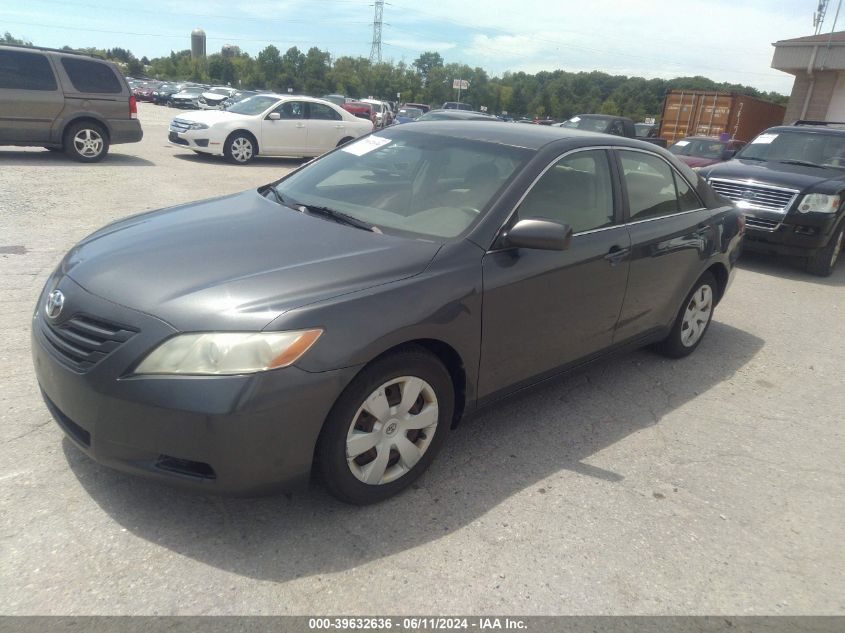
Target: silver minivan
{"points": [[63, 100]]}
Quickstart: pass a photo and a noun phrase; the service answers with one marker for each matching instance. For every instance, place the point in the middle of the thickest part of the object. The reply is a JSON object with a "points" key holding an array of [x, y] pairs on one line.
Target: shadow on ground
{"points": [[500, 452], [208, 159], [790, 268], [47, 158]]}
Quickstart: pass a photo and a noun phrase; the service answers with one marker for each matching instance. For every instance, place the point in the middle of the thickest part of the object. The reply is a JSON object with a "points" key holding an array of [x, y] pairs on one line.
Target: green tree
{"points": [[8, 39]]}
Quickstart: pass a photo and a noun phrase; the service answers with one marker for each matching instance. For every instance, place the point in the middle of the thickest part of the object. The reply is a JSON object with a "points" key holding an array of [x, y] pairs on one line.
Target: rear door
{"points": [[288, 135], [30, 97], [325, 128], [94, 86], [671, 236], [546, 309]]}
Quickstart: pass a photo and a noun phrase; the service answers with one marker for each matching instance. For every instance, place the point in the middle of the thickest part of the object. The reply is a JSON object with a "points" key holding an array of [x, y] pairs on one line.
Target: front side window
{"points": [[420, 184], [292, 110], [90, 76], [323, 112], [25, 71], [577, 191], [650, 184]]}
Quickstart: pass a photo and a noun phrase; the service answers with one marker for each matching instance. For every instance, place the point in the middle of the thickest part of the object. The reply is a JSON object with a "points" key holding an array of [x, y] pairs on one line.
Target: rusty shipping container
{"points": [[702, 113]]}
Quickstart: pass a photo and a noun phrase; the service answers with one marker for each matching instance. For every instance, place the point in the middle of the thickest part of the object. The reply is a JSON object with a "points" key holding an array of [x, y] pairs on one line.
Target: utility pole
{"points": [[375, 51]]}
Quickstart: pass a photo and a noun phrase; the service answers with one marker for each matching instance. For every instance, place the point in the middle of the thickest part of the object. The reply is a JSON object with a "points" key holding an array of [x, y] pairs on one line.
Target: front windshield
{"points": [[587, 124], [253, 105], [411, 113], [817, 148], [700, 148], [420, 184]]}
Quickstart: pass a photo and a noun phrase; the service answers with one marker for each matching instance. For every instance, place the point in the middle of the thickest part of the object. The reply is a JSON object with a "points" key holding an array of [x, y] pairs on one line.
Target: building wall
{"points": [[823, 91]]}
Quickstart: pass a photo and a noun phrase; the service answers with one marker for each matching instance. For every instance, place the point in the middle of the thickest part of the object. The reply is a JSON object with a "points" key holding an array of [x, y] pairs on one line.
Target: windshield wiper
{"points": [[803, 163], [283, 199], [749, 158], [339, 217]]}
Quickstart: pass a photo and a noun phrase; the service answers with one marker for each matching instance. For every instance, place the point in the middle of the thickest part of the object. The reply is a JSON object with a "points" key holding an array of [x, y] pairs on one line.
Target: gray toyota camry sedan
{"points": [[341, 321]]}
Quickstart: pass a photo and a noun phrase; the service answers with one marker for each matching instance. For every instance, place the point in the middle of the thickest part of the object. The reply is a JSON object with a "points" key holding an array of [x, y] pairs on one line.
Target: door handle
{"points": [[300, 125], [616, 254], [339, 127]]}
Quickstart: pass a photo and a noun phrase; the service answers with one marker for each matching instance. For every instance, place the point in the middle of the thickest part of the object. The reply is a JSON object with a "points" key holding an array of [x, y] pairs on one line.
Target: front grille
{"points": [[83, 341], [755, 196], [761, 224], [180, 125]]}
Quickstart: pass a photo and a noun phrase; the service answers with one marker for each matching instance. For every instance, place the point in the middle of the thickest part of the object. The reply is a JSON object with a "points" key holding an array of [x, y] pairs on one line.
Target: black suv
{"points": [[790, 182]]}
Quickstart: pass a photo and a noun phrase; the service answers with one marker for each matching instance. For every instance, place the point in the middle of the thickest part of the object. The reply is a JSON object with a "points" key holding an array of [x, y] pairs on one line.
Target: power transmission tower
{"points": [[818, 16], [375, 51]]}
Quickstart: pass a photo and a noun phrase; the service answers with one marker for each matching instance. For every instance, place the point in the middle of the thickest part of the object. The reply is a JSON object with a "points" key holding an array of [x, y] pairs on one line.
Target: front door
{"points": [[288, 135], [30, 97], [547, 309]]}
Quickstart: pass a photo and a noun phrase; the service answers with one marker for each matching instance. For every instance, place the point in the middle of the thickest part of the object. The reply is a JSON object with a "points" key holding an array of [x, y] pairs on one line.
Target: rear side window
{"points": [[90, 76], [320, 111], [25, 71], [650, 184]]}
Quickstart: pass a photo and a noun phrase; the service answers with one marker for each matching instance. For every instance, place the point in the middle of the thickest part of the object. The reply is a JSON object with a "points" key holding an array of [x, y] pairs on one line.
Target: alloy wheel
{"points": [[241, 149], [697, 315], [392, 430], [88, 143]]}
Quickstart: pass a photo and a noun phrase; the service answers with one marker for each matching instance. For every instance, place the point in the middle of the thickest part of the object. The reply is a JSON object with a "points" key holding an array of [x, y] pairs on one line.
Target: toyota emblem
{"points": [[55, 303]]}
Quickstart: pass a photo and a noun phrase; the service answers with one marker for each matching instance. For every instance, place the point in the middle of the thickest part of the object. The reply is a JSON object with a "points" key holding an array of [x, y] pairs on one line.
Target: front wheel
{"points": [[823, 262], [386, 427], [692, 320], [240, 148]]}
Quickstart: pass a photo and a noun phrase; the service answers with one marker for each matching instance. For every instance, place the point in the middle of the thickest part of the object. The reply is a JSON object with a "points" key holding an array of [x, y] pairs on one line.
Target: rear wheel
{"points": [[86, 142], [240, 148], [344, 141], [386, 427], [824, 261], [692, 321]]}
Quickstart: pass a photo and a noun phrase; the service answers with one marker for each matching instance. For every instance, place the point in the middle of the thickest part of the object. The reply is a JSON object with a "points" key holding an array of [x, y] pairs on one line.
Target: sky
{"points": [[726, 40]]}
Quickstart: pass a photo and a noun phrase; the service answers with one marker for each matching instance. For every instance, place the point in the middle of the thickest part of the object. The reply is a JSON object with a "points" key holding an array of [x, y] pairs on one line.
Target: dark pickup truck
{"points": [[609, 124]]}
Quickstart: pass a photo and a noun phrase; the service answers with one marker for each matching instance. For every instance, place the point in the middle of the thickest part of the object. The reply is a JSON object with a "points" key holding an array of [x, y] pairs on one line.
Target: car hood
{"points": [[236, 262], [819, 179], [210, 117]]}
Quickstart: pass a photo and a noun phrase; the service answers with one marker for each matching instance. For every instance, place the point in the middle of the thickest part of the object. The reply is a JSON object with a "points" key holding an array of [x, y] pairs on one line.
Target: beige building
{"points": [[818, 63]]}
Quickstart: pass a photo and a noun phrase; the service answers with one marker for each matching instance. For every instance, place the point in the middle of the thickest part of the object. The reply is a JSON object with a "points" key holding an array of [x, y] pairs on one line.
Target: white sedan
{"points": [[268, 125]]}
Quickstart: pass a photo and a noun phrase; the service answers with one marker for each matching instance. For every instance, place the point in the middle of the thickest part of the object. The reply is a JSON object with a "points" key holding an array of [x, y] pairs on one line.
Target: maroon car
{"points": [[701, 151], [144, 93]]}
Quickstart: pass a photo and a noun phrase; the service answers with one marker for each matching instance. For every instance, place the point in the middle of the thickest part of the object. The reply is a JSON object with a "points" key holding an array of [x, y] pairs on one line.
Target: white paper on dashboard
{"points": [[764, 138], [365, 145], [682, 143]]}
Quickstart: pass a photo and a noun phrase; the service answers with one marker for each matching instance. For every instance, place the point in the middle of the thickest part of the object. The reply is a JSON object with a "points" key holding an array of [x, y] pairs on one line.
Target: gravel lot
{"points": [[710, 485]]}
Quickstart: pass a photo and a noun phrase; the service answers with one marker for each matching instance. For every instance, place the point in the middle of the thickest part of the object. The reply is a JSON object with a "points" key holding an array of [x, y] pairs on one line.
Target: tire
{"points": [[343, 141], [398, 454], [823, 261], [86, 142], [696, 312], [240, 148]]}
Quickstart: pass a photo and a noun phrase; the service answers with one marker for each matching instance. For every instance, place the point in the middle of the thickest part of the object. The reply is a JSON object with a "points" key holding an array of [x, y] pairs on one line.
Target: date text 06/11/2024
{"points": [[416, 623]]}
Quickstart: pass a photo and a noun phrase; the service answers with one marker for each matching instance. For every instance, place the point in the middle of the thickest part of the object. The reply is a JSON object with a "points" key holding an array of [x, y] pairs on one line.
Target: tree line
{"points": [[556, 94]]}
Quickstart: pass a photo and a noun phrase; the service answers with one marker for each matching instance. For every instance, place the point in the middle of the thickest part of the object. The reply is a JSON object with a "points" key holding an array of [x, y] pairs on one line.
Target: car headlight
{"points": [[225, 353], [818, 203], [197, 126]]}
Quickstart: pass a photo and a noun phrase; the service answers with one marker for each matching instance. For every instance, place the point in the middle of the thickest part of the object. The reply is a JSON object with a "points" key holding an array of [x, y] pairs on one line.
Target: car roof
{"points": [[528, 136]]}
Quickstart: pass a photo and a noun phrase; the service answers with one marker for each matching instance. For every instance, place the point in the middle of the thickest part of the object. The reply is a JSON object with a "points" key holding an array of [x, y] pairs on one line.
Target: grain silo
{"points": [[197, 44]]}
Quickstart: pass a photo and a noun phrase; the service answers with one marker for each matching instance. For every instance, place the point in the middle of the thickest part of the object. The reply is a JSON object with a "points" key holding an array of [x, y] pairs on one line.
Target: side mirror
{"points": [[727, 154], [274, 116], [542, 235]]}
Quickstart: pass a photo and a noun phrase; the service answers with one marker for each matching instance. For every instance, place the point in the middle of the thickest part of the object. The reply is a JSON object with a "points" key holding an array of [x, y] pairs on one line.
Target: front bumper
{"points": [[197, 140], [245, 435], [793, 234]]}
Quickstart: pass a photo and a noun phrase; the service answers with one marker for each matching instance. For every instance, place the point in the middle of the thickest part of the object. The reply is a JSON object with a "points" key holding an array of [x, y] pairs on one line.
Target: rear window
{"points": [[90, 76], [25, 71]]}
